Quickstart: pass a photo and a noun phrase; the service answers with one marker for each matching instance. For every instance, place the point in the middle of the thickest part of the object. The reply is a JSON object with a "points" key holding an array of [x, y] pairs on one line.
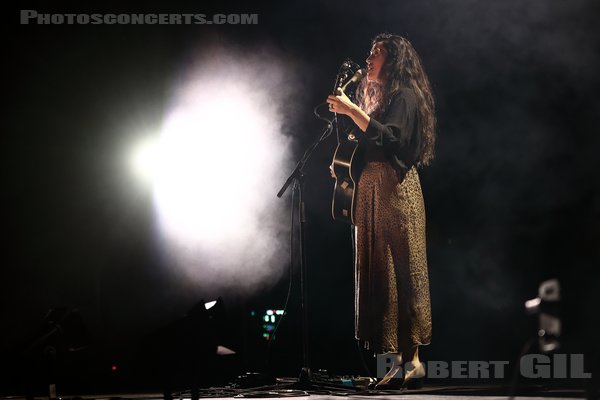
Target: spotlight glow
{"points": [[218, 163], [213, 155], [210, 304], [144, 160]]}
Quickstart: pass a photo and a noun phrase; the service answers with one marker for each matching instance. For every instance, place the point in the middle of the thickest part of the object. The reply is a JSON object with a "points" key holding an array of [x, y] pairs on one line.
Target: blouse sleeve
{"points": [[397, 128]]}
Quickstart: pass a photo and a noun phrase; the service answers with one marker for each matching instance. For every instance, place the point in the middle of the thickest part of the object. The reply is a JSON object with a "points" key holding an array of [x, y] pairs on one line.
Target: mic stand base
{"points": [[305, 375]]}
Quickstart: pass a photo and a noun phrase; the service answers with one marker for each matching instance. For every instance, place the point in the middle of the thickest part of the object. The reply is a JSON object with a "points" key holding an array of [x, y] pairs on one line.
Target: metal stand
{"points": [[305, 378]]}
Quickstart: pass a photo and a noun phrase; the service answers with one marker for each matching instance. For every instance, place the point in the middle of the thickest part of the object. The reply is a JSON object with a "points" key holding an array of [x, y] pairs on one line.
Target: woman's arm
{"points": [[341, 104], [395, 131]]}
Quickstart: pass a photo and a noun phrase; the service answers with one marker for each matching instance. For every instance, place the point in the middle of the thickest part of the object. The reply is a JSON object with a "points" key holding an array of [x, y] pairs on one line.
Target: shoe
{"points": [[414, 378], [413, 383], [392, 384]]}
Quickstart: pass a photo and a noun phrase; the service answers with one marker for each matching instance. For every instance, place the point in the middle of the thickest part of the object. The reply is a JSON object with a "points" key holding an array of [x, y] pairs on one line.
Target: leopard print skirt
{"points": [[393, 311]]}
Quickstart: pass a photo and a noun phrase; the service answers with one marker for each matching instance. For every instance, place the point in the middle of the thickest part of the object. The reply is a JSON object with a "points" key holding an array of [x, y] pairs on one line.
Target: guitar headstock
{"points": [[345, 73]]}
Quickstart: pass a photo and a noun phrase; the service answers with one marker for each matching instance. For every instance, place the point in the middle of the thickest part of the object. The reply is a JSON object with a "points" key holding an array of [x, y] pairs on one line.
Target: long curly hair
{"points": [[402, 69]]}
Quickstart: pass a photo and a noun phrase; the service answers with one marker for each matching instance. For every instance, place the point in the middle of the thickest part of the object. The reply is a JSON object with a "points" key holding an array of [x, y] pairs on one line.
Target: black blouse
{"points": [[397, 132]]}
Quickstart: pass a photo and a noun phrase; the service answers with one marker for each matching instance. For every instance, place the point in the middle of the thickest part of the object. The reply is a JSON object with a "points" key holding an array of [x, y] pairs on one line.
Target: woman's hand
{"points": [[341, 104]]}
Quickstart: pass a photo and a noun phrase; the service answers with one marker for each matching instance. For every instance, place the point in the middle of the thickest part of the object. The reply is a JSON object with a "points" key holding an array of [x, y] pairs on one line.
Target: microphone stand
{"points": [[305, 378], [297, 177]]}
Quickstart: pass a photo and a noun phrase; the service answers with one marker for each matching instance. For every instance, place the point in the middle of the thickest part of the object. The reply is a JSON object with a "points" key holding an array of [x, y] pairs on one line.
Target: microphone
{"points": [[357, 77]]}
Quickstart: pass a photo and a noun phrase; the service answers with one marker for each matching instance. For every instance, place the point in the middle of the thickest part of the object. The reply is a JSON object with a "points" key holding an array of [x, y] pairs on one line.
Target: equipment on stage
{"points": [[346, 178], [348, 75], [546, 307], [346, 159]]}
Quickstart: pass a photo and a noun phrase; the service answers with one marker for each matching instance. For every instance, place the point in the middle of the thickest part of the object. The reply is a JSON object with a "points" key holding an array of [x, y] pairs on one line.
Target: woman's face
{"points": [[375, 62]]}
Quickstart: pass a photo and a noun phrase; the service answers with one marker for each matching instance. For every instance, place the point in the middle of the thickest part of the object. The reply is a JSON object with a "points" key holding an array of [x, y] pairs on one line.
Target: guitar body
{"points": [[346, 171], [347, 159]]}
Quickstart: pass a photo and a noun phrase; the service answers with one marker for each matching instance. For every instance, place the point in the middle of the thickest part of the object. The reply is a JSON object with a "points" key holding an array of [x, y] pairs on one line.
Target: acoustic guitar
{"points": [[346, 173], [346, 165]]}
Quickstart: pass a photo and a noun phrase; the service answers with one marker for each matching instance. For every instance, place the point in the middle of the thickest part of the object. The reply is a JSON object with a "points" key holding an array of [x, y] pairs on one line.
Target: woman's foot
{"points": [[414, 375], [390, 381]]}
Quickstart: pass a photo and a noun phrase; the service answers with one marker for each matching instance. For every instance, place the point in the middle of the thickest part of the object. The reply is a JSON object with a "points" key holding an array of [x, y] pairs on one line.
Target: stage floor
{"points": [[387, 396], [331, 392]]}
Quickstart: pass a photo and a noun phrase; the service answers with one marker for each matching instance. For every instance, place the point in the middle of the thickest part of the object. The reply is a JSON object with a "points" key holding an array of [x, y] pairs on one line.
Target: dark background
{"points": [[512, 197]]}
